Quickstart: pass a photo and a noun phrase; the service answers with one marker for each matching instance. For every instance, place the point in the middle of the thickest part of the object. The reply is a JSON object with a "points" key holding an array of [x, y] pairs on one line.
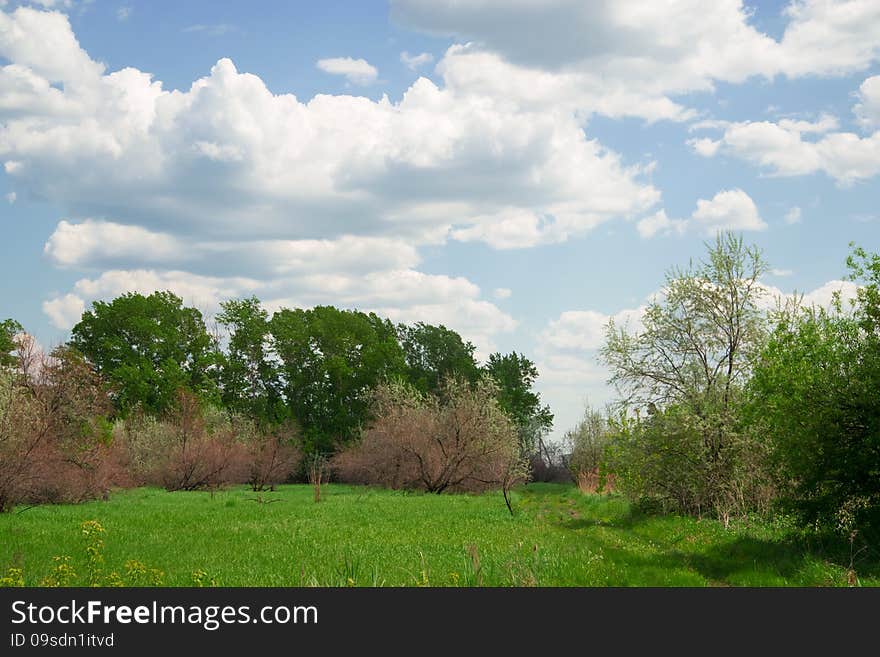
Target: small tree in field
{"points": [[273, 456], [318, 473], [687, 368], [588, 443], [458, 440]]}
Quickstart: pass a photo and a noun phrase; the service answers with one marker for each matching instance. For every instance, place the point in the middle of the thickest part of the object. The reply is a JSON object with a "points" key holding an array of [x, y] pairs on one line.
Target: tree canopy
{"points": [[330, 360], [435, 353], [250, 374], [698, 337], [515, 375], [9, 328], [148, 347]]}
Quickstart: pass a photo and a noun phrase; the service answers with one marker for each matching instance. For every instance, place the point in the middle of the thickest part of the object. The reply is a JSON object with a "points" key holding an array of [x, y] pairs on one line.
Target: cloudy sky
{"points": [[518, 170]]}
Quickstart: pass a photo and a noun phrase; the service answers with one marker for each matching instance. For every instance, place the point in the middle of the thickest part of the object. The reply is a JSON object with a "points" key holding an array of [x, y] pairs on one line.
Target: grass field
{"points": [[364, 537]]}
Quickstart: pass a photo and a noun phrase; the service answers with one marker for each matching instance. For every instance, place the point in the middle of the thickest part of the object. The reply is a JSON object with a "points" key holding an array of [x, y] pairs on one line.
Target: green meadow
{"points": [[367, 537]]}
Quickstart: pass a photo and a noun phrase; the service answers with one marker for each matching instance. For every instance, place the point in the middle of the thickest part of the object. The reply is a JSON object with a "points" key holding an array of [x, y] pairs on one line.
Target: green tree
{"points": [[250, 378], [331, 360], [434, 353], [148, 347], [9, 328], [514, 374], [587, 442], [864, 268], [687, 367], [698, 339], [814, 401]]}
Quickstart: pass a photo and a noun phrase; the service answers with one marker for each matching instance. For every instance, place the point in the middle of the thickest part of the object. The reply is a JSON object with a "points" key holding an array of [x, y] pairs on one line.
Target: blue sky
{"points": [[517, 170]]}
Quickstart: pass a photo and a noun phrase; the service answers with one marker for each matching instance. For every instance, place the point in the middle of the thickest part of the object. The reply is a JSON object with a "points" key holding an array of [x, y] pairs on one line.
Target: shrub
{"points": [[457, 440], [189, 449], [56, 444], [145, 442], [204, 448], [667, 461], [815, 403], [19, 441], [587, 443], [199, 458], [273, 456]]}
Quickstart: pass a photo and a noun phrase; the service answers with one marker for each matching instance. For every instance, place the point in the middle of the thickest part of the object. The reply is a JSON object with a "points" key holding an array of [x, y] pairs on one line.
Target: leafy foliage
{"points": [[514, 376], [814, 400], [250, 376], [9, 328], [331, 360], [434, 353], [687, 367], [148, 347]]}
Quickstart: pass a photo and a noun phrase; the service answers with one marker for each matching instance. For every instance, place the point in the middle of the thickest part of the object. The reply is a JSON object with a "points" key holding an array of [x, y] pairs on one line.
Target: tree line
{"points": [[257, 399]]}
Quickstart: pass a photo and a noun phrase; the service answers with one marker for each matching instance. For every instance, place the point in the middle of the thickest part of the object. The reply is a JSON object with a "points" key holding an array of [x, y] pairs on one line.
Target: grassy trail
{"points": [[364, 537]]}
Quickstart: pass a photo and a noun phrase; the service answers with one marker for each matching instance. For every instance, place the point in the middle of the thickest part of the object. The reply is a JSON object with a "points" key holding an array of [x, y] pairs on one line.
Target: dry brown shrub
{"points": [[196, 458], [56, 444], [273, 456], [593, 481], [459, 440], [203, 448]]}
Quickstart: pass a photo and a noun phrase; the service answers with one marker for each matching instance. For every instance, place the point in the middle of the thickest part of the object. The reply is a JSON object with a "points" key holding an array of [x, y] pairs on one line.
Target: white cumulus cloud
{"points": [[356, 71], [659, 223], [797, 147], [867, 110], [730, 209], [228, 159], [64, 311], [93, 242], [597, 54]]}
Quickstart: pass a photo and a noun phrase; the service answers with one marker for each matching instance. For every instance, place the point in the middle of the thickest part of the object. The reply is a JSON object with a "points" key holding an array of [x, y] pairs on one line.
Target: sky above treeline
{"points": [[517, 170]]}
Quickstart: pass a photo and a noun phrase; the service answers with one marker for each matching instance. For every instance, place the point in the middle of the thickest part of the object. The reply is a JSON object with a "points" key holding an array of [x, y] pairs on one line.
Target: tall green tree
{"points": [[515, 375], [699, 337], [148, 347], [687, 367], [9, 328], [250, 377], [435, 353], [331, 360]]}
